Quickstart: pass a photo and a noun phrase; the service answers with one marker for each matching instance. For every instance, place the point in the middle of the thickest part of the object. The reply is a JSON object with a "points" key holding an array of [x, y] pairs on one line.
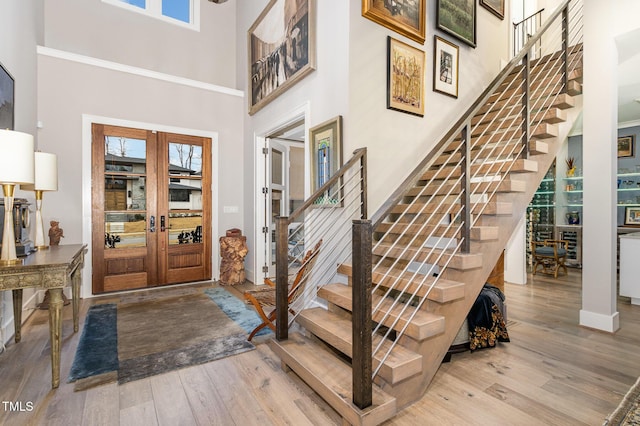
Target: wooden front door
{"points": [[151, 202]]}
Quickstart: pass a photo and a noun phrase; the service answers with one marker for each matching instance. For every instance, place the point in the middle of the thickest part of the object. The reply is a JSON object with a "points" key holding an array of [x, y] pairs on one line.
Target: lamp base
{"points": [[42, 247], [10, 262]]}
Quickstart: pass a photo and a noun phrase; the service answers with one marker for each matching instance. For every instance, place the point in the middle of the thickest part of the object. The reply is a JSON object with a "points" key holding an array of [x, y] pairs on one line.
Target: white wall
{"points": [[69, 90], [20, 31], [98, 29], [323, 94], [396, 141]]}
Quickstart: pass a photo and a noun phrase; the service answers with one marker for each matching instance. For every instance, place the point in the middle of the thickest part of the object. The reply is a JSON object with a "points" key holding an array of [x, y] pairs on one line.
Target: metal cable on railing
{"points": [[425, 231], [321, 222]]}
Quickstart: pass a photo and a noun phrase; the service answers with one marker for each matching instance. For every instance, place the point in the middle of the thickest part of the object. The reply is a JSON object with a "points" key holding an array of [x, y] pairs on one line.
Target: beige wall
{"points": [[67, 90], [20, 31], [396, 141], [101, 30]]}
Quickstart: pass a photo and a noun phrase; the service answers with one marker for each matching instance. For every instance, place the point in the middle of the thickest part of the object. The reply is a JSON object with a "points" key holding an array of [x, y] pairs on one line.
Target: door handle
{"points": [[162, 225], [152, 224]]}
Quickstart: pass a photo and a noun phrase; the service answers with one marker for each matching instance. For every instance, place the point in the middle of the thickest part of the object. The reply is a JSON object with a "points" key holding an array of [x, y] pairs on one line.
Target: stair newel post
{"points": [[565, 48], [526, 116], [466, 188], [363, 185], [362, 368], [282, 278]]}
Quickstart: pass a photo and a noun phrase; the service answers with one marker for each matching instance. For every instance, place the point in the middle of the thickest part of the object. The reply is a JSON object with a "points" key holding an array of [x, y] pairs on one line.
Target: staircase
{"points": [[432, 245]]}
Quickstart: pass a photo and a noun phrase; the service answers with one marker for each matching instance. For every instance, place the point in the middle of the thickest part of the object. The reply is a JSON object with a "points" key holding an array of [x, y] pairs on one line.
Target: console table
{"points": [[52, 270]]}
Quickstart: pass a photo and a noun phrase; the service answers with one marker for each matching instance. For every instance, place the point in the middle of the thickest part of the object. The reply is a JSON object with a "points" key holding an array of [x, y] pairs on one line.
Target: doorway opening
{"points": [[281, 187]]}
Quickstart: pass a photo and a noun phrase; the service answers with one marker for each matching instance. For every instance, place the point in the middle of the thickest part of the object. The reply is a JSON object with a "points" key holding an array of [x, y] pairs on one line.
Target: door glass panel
{"points": [[124, 191], [185, 228], [185, 193], [122, 230], [125, 154], [276, 167]]}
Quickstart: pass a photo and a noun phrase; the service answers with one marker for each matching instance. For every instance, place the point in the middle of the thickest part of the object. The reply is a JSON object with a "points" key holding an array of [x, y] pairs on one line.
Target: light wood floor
{"points": [[553, 372]]}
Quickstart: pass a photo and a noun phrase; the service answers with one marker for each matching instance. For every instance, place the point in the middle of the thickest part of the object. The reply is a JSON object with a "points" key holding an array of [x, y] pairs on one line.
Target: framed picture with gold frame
{"points": [[406, 17], [405, 77], [325, 141], [626, 146]]}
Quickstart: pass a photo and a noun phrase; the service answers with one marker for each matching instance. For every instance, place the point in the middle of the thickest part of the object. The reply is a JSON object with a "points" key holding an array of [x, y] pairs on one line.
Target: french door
{"points": [[151, 208]]}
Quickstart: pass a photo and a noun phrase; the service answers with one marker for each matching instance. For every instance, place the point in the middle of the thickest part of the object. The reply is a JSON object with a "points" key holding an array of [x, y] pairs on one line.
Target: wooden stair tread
{"points": [[478, 233], [418, 208], [535, 147], [521, 165], [421, 327], [444, 290], [459, 261], [331, 378], [506, 185], [337, 332]]}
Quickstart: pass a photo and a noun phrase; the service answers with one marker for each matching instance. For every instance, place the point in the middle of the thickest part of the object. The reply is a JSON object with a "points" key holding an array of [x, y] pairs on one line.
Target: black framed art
{"points": [[7, 99], [458, 18]]}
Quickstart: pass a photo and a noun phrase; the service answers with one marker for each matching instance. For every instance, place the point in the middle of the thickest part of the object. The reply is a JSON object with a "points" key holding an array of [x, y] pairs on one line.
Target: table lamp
{"points": [[16, 167], [46, 179]]}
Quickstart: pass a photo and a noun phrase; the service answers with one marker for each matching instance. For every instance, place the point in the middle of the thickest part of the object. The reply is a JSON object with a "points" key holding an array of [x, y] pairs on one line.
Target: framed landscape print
{"points": [[406, 17], [7, 98], [458, 18], [625, 146], [281, 45], [326, 158], [405, 77], [632, 216], [494, 6], [445, 67]]}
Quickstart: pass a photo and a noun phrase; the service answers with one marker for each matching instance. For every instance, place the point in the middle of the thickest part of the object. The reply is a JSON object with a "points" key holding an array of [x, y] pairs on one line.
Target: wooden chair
{"points": [[264, 300], [551, 254]]}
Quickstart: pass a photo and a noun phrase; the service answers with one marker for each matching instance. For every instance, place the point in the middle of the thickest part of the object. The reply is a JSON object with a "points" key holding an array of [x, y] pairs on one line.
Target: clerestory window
{"points": [[181, 12]]}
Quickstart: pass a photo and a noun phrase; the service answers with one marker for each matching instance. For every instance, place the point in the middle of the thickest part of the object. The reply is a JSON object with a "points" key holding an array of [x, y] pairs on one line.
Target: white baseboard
{"points": [[610, 323]]}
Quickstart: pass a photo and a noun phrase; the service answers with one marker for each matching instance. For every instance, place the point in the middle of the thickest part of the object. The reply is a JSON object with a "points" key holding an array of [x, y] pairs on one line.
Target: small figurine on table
{"points": [[55, 233]]}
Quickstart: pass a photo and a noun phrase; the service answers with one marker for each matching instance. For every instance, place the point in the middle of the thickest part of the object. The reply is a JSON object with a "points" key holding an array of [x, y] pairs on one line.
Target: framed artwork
{"points": [[405, 77], [494, 6], [326, 158], [632, 216], [406, 17], [445, 67], [625, 146], [7, 99], [281, 46], [458, 18]]}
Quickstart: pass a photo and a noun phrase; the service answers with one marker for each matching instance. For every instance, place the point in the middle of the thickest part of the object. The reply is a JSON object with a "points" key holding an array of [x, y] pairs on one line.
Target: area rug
{"points": [[628, 412], [152, 335]]}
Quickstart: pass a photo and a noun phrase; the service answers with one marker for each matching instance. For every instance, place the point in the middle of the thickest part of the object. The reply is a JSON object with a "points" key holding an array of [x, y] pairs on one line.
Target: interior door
{"points": [[151, 202], [277, 195]]}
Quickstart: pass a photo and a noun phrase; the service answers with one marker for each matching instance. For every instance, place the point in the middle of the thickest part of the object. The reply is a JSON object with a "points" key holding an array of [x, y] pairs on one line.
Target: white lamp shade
{"points": [[46, 173], [16, 157]]}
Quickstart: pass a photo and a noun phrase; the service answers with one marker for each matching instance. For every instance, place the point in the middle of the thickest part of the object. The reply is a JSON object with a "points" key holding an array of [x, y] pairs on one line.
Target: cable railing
{"points": [[524, 30], [323, 221], [436, 212]]}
